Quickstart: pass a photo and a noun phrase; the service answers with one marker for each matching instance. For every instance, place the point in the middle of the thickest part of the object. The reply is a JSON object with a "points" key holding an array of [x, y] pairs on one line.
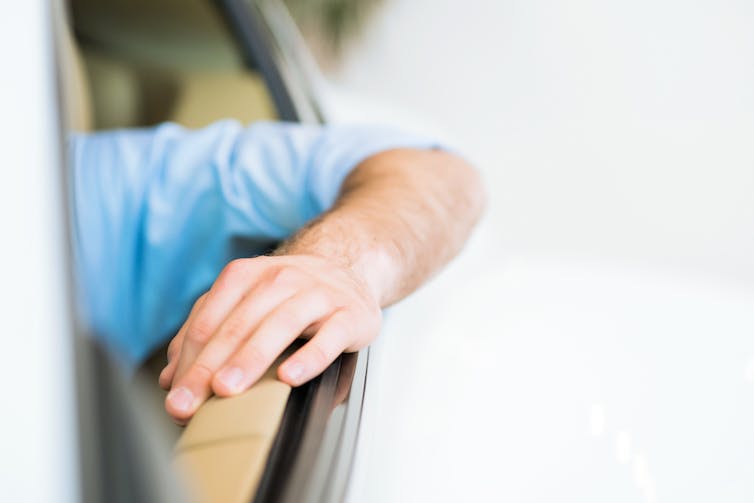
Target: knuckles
{"points": [[361, 327], [256, 357], [200, 371], [318, 356], [235, 267], [233, 329], [283, 275], [200, 330], [240, 268], [323, 299], [172, 351]]}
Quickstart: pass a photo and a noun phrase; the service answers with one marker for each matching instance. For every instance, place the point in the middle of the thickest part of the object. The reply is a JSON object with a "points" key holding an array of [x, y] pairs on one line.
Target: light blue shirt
{"points": [[158, 212]]}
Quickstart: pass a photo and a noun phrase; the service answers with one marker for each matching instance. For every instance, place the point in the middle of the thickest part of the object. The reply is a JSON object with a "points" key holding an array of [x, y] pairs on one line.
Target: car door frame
{"points": [[314, 449]]}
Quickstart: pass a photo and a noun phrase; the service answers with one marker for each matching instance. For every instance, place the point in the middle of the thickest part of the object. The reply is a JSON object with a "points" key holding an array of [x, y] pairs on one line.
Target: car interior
{"points": [[146, 62], [135, 63]]}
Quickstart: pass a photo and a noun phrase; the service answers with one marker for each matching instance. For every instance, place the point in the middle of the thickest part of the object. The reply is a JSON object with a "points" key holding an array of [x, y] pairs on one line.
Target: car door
{"points": [[38, 417], [147, 62]]}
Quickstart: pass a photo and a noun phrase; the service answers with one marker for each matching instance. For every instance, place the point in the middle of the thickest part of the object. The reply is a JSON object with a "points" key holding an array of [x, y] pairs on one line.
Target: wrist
{"points": [[367, 259]]}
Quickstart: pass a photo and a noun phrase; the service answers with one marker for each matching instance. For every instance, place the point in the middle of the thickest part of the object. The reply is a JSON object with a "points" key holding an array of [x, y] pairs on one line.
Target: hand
{"points": [[256, 308]]}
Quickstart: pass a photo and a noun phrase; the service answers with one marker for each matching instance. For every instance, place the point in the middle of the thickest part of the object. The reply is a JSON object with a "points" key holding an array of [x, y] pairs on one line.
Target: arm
{"points": [[400, 216], [158, 212]]}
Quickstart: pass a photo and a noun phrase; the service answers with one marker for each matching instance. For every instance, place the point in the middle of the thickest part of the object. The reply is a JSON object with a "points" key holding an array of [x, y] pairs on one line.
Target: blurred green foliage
{"points": [[333, 22]]}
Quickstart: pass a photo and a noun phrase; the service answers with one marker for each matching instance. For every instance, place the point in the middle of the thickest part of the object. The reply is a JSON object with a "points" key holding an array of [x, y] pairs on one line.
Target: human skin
{"points": [[401, 215]]}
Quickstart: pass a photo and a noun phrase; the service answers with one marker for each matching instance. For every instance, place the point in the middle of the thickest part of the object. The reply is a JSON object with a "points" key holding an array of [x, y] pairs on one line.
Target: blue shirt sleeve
{"points": [[158, 212]]}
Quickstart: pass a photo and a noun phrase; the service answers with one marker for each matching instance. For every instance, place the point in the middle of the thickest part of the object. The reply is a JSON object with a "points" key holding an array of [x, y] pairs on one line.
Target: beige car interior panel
{"points": [[206, 97], [115, 92], [218, 419], [224, 448], [224, 472], [170, 60], [184, 34], [74, 85]]}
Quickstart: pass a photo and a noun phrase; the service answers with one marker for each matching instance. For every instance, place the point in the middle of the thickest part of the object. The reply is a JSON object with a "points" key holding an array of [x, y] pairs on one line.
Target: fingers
{"points": [[232, 333], [317, 354], [252, 313], [249, 360], [241, 323], [174, 348], [277, 332], [231, 285], [166, 375]]}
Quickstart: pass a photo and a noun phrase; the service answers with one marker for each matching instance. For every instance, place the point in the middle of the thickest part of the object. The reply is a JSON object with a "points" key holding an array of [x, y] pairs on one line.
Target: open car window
{"points": [[128, 63]]}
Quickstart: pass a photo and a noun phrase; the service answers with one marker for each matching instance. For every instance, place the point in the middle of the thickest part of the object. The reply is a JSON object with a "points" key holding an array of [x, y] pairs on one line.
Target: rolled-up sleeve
{"points": [[158, 212]]}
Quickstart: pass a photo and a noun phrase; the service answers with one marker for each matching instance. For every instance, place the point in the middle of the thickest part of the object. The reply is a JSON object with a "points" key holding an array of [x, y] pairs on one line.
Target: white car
{"points": [[515, 379], [78, 428]]}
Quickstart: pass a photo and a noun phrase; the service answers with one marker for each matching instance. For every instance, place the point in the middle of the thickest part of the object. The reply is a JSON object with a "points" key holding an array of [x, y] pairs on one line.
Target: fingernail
{"points": [[181, 399], [231, 378], [294, 371]]}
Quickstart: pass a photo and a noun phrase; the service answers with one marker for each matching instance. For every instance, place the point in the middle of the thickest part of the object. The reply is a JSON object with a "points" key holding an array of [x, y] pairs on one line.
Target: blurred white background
{"points": [[606, 128], [595, 342]]}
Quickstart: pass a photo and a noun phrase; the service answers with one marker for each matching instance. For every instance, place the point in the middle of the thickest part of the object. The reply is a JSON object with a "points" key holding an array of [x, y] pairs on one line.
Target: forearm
{"points": [[401, 215]]}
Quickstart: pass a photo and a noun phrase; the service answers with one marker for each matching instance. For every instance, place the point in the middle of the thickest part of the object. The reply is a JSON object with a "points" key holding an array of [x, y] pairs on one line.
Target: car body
{"points": [[514, 377], [132, 64]]}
